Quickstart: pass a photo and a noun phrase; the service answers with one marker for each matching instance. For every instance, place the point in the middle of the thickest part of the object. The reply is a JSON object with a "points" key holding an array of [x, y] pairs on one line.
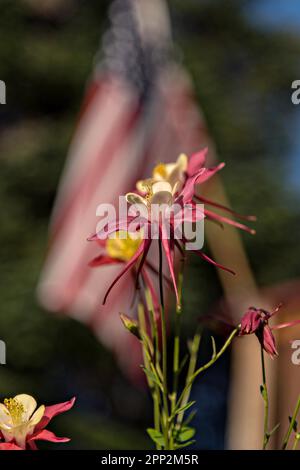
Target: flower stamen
{"points": [[15, 409]]}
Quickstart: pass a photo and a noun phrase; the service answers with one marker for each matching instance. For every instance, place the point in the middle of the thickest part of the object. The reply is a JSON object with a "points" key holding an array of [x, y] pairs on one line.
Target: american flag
{"points": [[138, 110]]}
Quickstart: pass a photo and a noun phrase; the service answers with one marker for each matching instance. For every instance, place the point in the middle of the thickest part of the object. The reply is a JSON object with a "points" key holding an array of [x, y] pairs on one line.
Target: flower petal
{"points": [[31, 445], [188, 190], [268, 341], [182, 162], [211, 261], [226, 209], [167, 250], [196, 162], [225, 220], [198, 178], [28, 403], [285, 325], [103, 260], [46, 435], [178, 170], [208, 173], [9, 446], [251, 321], [54, 410], [5, 418], [37, 416], [143, 258], [189, 214], [161, 186]]}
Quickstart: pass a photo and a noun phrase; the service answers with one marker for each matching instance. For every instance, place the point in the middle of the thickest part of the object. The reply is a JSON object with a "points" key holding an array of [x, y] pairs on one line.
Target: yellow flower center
{"points": [[161, 170], [122, 248], [16, 410]]}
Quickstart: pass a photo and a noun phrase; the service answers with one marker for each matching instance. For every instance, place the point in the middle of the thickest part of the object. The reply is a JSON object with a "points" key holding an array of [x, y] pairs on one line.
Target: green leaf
{"points": [[180, 446], [156, 436], [190, 417], [151, 376], [183, 363], [184, 408], [186, 433]]}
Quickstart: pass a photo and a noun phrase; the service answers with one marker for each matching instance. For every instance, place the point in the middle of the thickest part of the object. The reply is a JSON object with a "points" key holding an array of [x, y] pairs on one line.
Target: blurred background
{"points": [[242, 57]]}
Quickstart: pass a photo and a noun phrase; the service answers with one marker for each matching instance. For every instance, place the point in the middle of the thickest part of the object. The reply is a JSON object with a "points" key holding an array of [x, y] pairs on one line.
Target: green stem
{"points": [[291, 426], [154, 333], [153, 323], [265, 395], [297, 439], [194, 348], [164, 351], [156, 410], [176, 353], [207, 365], [148, 361]]}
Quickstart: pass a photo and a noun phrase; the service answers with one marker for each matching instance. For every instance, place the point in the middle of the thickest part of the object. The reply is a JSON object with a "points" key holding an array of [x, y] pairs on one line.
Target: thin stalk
{"points": [[194, 348], [265, 396], [297, 439], [149, 365], [164, 350], [291, 426], [207, 365], [154, 333], [176, 353], [153, 325], [147, 347]]}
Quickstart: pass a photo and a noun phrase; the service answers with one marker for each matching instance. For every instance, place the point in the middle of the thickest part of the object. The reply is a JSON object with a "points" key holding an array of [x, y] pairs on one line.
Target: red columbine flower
{"points": [[22, 423], [172, 211], [171, 184], [256, 320]]}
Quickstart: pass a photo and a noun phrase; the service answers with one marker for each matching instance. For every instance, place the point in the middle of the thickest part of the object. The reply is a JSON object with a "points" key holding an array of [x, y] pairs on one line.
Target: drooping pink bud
{"points": [[268, 341], [251, 321]]}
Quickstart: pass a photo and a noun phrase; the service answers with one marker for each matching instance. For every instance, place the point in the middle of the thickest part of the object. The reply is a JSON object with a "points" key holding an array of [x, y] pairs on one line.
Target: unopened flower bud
{"points": [[130, 325], [251, 321]]}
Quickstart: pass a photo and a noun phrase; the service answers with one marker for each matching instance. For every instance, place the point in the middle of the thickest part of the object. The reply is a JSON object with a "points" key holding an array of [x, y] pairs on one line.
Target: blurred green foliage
{"points": [[242, 77]]}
